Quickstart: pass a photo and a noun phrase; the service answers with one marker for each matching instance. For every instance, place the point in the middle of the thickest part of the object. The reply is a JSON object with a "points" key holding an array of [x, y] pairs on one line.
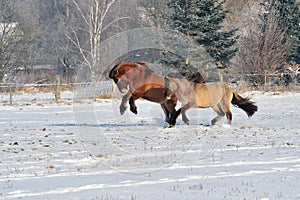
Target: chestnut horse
{"points": [[205, 95], [144, 83]]}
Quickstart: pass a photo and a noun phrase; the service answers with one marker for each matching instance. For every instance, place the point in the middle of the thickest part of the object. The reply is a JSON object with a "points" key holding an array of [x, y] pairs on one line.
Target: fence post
{"points": [[113, 89], [94, 86], [10, 94], [58, 88], [265, 80], [221, 76]]}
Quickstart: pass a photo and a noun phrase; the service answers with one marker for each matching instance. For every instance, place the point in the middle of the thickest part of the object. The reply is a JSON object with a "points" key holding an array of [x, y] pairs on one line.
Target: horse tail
{"points": [[244, 103]]}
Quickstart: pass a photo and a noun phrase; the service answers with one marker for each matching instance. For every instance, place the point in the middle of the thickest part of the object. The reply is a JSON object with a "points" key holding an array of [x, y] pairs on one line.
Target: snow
{"points": [[86, 150]]}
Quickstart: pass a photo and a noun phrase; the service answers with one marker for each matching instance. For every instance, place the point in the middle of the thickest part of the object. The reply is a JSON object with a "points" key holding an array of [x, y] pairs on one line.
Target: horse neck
{"points": [[180, 85], [149, 76], [140, 77]]}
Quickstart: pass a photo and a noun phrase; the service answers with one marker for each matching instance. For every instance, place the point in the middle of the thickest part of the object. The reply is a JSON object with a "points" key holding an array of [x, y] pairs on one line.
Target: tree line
{"points": [[249, 36]]}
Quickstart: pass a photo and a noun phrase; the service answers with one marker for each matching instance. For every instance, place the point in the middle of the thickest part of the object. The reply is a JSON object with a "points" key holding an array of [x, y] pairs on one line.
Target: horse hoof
{"points": [[122, 110], [187, 122], [171, 125], [133, 109]]}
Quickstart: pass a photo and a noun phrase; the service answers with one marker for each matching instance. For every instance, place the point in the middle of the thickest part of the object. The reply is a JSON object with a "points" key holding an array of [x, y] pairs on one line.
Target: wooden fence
{"points": [[12, 93]]}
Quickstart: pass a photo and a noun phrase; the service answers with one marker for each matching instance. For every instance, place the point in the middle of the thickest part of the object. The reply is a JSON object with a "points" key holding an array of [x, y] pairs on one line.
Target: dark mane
{"points": [[112, 71], [115, 68], [194, 77], [142, 64], [145, 65]]}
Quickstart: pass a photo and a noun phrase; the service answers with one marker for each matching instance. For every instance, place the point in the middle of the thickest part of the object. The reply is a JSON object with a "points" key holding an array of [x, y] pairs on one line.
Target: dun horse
{"points": [[204, 95], [144, 83]]}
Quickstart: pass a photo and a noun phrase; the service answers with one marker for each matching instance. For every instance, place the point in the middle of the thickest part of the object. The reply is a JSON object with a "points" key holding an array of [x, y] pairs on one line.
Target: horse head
{"points": [[122, 74]]}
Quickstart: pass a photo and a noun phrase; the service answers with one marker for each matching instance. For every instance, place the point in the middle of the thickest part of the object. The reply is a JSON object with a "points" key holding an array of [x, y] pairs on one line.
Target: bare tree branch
{"points": [[263, 44], [94, 14]]}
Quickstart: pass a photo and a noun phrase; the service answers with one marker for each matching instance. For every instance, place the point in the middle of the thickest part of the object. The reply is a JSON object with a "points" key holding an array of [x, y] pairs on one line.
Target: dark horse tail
{"points": [[244, 103]]}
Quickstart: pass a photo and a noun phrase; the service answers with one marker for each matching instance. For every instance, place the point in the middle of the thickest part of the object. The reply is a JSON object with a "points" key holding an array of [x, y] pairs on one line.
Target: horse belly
{"points": [[156, 95], [204, 101]]}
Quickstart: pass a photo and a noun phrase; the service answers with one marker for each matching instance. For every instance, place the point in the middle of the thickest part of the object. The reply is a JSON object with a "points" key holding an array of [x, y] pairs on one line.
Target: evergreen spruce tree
{"points": [[202, 20]]}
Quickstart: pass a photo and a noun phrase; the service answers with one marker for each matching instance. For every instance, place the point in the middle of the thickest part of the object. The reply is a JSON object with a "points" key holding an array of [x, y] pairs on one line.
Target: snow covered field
{"points": [[86, 150]]}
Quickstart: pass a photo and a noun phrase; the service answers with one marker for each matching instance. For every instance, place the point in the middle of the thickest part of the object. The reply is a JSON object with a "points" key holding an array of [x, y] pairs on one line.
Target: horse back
{"points": [[143, 77], [209, 94], [151, 85]]}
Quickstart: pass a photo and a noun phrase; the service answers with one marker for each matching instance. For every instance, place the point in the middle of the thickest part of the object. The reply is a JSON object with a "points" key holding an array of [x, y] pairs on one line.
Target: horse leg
{"points": [[182, 110], [133, 107], [169, 108], [184, 117], [123, 106], [229, 116], [136, 95], [183, 113], [174, 117], [226, 108], [170, 105], [218, 109], [167, 113]]}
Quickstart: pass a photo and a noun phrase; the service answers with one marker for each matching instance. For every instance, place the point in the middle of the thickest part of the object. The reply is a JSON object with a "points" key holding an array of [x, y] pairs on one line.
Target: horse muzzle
{"points": [[123, 90], [122, 87]]}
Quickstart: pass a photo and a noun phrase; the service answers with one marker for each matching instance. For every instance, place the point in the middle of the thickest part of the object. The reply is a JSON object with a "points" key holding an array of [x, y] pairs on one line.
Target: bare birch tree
{"points": [[97, 20]]}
